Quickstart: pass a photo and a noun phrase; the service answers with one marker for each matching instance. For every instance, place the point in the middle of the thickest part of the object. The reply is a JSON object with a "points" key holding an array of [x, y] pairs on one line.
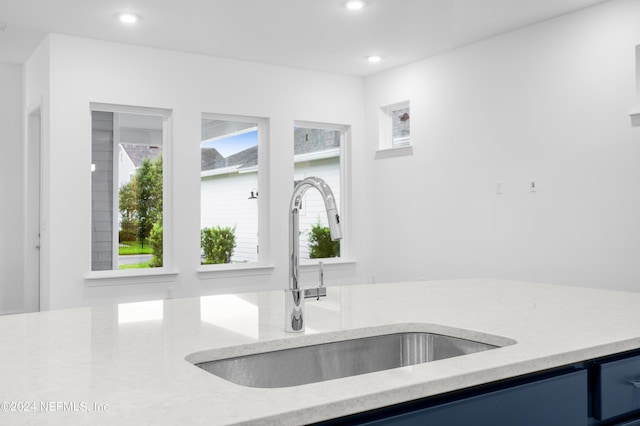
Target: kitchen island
{"points": [[127, 364]]}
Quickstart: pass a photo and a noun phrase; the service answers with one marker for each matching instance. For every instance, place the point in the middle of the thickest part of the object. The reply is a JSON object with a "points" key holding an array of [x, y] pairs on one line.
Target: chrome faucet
{"points": [[294, 295]]}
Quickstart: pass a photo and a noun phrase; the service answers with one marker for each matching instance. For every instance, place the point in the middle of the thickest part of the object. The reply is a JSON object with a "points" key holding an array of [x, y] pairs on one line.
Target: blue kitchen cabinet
{"points": [[600, 392], [616, 388], [558, 400]]}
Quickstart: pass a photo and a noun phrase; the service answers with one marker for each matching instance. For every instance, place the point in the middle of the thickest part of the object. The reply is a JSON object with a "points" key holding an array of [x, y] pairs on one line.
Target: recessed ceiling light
{"points": [[354, 4], [128, 18], [374, 59]]}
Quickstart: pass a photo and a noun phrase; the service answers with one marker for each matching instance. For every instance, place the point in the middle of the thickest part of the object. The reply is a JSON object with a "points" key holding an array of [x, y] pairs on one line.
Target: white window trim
{"points": [[146, 275], [344, 210], [115, 187], [386, 147], [232, 270], [635, 114], [394, 152], [332, 263], [129, 277], [263, 265]]}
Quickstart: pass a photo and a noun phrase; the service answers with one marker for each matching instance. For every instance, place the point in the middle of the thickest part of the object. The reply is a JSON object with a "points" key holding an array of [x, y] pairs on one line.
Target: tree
{"points": [[156, 239], [128, 206], [128, 203], [141, 198]]}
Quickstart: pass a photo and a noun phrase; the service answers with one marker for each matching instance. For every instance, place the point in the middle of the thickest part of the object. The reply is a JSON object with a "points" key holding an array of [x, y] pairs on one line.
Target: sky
{"points": [[231, 145]]}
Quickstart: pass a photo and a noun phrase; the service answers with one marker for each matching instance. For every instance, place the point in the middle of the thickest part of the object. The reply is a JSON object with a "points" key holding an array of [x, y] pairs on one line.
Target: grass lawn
{"points": [[133, 247], [135, 266]]}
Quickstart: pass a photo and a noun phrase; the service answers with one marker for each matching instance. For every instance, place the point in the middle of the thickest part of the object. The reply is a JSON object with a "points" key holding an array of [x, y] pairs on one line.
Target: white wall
{"points": [[84, 71], [550, 102], [37, 186], [11, 177]]}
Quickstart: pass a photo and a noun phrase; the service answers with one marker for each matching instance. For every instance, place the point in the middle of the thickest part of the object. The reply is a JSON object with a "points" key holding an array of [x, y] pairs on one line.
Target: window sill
{"points": [[331, 264], [129, 277], [394, 152], [233, 270]]}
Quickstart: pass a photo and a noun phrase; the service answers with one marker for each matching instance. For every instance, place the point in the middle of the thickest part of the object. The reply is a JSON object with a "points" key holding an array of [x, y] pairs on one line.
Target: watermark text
{"points": [[53, 407]]}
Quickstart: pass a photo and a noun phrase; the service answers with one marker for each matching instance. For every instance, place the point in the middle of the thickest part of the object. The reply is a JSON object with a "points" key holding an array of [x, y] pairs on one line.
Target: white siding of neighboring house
{"points": [[224, 202], [126, 168]]}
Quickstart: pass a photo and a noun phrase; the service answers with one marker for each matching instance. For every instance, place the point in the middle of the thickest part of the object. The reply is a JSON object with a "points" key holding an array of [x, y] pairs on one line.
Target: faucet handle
{"points": [[317, 292]]}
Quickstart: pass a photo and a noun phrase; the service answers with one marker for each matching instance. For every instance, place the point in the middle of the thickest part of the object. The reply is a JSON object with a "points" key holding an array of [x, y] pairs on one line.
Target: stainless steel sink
{"points": [[326, 361]]}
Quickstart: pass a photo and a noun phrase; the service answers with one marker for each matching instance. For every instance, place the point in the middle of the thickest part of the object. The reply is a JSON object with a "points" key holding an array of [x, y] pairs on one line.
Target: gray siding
{"points": [[102, 191]]}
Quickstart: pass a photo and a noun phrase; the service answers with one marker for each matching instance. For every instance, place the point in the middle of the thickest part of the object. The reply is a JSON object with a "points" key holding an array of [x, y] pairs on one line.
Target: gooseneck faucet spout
{"points": [[294, 295]]}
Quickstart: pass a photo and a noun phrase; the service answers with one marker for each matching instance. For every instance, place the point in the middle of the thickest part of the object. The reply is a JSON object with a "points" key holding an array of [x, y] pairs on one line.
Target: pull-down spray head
{"points": [[294, 299]]}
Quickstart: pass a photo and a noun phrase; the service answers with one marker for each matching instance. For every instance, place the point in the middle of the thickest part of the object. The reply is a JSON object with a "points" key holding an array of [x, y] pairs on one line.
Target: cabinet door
{"points": [[560, 400], [617, 390]]}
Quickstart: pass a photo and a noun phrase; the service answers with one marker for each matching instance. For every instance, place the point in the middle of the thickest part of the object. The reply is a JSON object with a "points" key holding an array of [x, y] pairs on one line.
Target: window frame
{"points": [[386, 146], [143, 275], [635, 114], [263, 266], [344, 209]]}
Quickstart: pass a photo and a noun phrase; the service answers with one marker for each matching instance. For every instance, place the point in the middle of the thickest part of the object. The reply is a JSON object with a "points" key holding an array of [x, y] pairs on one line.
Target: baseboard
{"points": [[10, 312]]}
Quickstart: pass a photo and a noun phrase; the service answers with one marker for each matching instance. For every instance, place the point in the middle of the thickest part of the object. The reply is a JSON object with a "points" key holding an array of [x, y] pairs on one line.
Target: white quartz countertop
{"points": [[125, 364]]}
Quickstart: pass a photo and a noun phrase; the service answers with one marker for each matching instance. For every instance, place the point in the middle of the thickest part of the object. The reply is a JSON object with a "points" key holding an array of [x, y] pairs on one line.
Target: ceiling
{"points": [[311, 34]]}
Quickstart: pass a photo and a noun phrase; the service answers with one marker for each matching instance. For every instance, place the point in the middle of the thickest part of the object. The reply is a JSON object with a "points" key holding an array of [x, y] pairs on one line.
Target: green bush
{"points": [[156, 241], [320, 244], [217, 244]]}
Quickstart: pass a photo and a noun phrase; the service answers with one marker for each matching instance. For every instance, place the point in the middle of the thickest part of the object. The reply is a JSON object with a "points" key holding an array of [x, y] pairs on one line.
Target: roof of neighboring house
{"points": [[208, 158], [137, 153], [246, 158], [306, 141]]}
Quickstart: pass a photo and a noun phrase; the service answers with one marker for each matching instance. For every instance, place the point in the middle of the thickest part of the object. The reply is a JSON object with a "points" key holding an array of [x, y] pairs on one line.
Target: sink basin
{"points": [[333, 360]]}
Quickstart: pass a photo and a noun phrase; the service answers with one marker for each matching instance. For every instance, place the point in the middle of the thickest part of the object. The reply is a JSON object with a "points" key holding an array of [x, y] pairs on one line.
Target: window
{"points": [[229, 189], [318, 151], [395, 128], [127, 187], [400, 127]]}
